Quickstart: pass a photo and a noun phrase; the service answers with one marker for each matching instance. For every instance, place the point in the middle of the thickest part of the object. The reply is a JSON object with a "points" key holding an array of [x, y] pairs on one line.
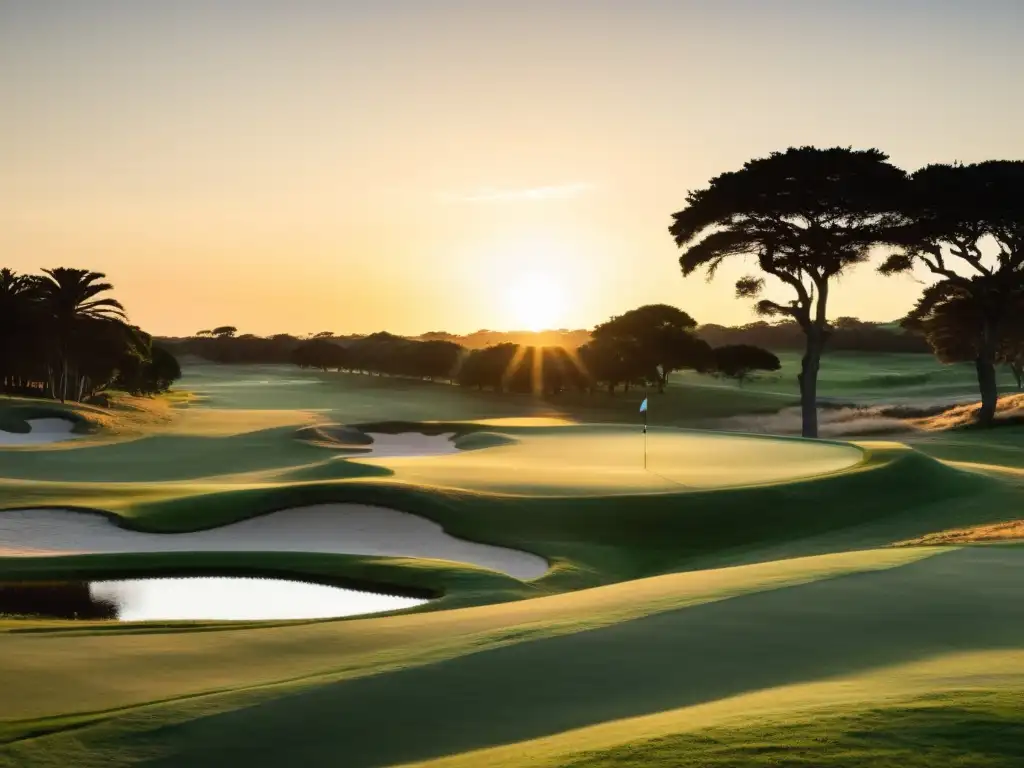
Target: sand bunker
{"points": [[43, 431], [351, 529], [378, 444], [409, 444]]}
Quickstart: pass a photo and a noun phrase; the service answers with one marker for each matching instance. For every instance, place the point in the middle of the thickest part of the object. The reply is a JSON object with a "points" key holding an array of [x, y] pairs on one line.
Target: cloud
{"points": [[526, 194]]}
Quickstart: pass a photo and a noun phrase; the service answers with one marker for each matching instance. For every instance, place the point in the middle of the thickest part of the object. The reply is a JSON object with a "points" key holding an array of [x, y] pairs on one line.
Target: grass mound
{"points": [[968, 729]]}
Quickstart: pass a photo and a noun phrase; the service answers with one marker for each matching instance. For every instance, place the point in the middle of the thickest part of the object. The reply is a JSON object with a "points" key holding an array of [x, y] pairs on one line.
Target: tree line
{"points": [[849, 334], [807, 216], [639, 348], [224, 344], [63, 337]]}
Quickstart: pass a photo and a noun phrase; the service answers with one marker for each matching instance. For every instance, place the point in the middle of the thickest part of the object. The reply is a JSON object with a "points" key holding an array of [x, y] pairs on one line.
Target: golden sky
{"points": [[414, 165]]}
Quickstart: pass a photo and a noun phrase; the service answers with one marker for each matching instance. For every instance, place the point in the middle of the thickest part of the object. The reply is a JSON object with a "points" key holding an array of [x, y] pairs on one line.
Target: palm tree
{"points": [[17, 319], [68, 298]]}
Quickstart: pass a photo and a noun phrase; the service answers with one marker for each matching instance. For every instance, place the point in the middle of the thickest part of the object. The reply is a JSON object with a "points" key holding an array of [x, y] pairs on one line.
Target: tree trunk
{"points": [[808, 380], [64, 379], [1017, 367], [987, 385], [985, 364]]}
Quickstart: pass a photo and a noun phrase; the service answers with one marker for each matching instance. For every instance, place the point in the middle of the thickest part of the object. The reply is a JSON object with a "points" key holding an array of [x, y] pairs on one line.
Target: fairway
{"points": [[588, 610], [869, 378]]}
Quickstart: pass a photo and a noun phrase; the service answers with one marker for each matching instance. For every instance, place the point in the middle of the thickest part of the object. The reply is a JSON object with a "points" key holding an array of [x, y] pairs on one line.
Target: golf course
{"points": [[728, 599], [492, 384]]}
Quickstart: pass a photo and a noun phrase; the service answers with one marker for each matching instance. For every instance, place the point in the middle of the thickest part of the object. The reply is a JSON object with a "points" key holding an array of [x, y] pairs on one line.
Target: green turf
{"points": [[863, 378], [739, 596], [964, 729]]}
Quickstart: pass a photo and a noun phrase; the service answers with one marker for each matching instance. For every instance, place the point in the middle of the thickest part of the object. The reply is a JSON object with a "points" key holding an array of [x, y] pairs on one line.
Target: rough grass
{"points": [[1009, 409], [1011, 530]]}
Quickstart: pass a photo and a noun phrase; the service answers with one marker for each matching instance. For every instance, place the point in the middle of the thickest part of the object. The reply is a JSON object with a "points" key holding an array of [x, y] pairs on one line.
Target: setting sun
{"points": [[536, 302]]}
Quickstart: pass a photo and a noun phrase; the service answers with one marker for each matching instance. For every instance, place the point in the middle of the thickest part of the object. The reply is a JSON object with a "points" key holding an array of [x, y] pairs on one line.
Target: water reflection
{"points": [[192, 598], [54, 600]]}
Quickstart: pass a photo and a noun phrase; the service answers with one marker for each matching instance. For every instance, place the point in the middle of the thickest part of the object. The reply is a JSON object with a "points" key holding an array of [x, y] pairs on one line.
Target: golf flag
{"points": [[643, 410]]}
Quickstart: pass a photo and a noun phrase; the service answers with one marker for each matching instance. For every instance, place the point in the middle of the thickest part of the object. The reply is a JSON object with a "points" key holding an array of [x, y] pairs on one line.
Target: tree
{"points": [[162, 371], [20, 361], [149, 373], [494, 367], [62, 338], [320, 353], [952, 318], [965, 225], [102, 350], [224, 331], [657, 338], [609, 361], [435, 359], [742, 361], [807, 215], [67, 299]]}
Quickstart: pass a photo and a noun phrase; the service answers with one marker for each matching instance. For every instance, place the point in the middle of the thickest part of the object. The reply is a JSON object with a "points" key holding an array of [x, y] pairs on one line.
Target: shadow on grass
{"points": [[964, 729]]}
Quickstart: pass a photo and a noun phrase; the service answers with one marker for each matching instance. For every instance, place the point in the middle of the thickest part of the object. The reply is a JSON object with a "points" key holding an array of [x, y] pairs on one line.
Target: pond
{"points": [[196, 598]]}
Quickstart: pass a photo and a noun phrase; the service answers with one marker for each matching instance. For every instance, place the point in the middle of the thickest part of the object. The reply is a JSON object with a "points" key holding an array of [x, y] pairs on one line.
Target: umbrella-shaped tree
{"points": [[805, 216], [965, 225]]}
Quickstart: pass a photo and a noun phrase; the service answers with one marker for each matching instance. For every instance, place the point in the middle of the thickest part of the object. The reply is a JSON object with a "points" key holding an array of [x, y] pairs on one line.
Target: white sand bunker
{"points": [[43, 431], [350, 529], [408, 444]]}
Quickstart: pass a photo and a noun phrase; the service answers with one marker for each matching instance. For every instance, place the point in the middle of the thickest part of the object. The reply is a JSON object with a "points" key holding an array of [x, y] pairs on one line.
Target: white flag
{"points": [[643, 406]]}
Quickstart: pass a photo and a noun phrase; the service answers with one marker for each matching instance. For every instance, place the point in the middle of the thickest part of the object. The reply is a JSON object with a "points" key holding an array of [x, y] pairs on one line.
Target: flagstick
{"points": [[645, 431]]}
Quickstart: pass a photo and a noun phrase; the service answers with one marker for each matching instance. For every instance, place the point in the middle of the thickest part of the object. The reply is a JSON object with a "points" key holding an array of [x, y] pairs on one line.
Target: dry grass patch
{"points": [[1009, 408], [1012, 530]]}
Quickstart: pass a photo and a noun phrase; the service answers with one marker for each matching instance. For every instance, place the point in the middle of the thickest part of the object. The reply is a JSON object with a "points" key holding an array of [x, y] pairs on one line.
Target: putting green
{"points": [[602, 460]]}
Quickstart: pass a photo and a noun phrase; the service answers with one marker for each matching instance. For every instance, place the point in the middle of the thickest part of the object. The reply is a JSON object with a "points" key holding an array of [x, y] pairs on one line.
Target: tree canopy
{"points": [[649, 343], [805, 216], [742, 361], [65, 337], [965, 225]]}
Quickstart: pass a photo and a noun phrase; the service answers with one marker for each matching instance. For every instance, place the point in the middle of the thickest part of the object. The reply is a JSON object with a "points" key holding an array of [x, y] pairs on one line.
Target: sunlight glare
{"points": [[536, 302]]}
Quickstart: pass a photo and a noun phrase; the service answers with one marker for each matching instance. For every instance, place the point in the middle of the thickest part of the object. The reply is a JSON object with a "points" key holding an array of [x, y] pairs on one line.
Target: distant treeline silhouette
{"points": [[224, 345], [848, 335], [61, 337], [640, 347]]}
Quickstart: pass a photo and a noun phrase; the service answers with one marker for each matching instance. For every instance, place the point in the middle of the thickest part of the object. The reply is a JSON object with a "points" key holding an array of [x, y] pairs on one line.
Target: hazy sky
{"points": [[417, 165]]}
